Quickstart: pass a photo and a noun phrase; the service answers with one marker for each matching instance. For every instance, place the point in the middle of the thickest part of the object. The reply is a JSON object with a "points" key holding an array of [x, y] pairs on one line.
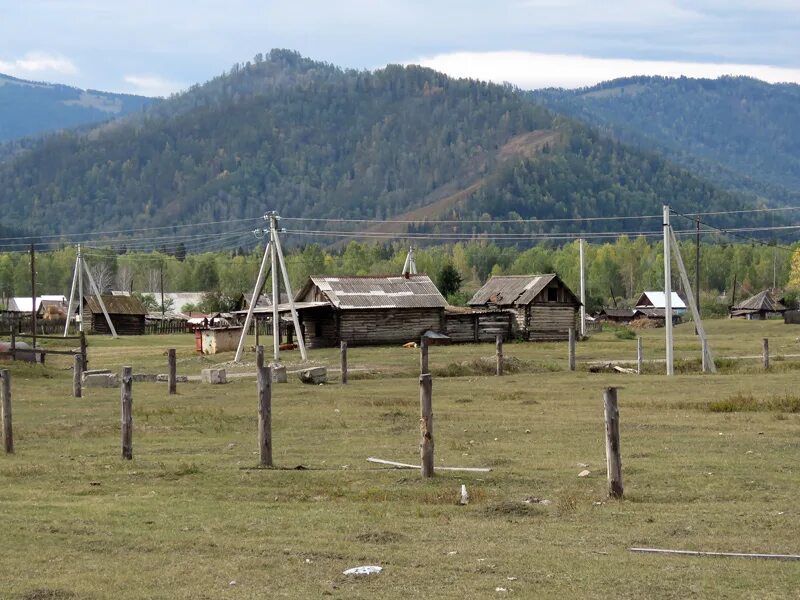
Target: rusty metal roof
{"points": [[348, 293], [512, 290]]}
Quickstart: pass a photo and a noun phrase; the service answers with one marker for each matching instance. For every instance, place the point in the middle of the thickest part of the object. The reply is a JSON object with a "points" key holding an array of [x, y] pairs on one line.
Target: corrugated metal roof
{"points": [[659, 300], [116, 305], [761, 301], [345, 293], [509, 290]]}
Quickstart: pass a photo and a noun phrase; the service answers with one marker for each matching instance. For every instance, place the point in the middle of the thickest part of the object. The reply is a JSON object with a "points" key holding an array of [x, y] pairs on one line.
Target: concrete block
{"points": [[178, 378], [314, 375], [279, 373], [213, 376], [100, 380]]}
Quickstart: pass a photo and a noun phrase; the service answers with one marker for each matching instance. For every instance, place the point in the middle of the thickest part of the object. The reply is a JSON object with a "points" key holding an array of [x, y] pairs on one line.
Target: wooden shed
{"points": [[758, 307], [126, 312], [369, 310], [544, 307]]}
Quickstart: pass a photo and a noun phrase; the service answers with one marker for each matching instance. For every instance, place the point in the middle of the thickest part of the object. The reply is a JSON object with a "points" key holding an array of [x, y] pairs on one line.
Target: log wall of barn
{"points": [[478, 327], [388, 326], [319, 328], [550, 322]]}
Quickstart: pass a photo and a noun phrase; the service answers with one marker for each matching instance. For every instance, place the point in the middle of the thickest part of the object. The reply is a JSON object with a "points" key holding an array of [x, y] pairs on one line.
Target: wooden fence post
{"points": [[264, 409], [613, 460], [77, 371], [765, 352], [13, 344], [639, 355], [426, 424], [423, 356], [498, 352], [172, 376], [704, 350], [83, 351], [127, 412], [8, 434], [343, 357], [571, 349]]}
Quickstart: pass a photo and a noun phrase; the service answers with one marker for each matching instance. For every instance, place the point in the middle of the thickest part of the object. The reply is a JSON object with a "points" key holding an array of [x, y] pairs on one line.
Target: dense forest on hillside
{"points": [[310, 140], [28, 108], [740, 132], [625, 267]]}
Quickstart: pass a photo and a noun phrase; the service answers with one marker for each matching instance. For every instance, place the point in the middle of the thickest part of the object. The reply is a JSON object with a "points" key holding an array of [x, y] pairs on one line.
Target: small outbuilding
{"points": [[658, 301], [127, 315], [544, 308], [759, 307], [369, 310]]}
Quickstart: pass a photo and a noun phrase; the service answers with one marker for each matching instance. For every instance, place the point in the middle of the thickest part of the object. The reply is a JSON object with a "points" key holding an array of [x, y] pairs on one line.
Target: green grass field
{"points": [[709, 463]]}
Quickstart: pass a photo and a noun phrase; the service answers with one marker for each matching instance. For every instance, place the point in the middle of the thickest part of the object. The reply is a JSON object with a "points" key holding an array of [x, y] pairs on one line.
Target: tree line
{"points": [[617, 272]]}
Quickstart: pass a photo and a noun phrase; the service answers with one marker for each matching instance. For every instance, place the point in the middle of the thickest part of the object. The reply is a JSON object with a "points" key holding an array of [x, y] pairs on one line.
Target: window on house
{"points": [[552, 294]]}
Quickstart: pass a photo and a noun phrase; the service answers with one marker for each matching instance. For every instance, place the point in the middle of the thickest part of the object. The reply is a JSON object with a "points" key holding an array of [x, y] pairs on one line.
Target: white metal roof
{"points": [[659, 300]]}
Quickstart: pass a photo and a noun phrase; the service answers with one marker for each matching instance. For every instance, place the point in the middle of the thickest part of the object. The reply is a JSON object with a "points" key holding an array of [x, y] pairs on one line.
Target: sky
{"points": [[161, 47]]}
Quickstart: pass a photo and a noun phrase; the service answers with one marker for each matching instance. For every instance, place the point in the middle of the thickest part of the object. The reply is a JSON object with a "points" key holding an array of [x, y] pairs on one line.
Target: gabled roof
{"points": [[761, 301], [25, 304], [415, 291], [659, 300], [514, 290], [115, 305]]}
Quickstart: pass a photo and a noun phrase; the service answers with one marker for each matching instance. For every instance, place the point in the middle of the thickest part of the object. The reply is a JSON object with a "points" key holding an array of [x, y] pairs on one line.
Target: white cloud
{"points": [[38, 63], [531, 70], [151, 85]]}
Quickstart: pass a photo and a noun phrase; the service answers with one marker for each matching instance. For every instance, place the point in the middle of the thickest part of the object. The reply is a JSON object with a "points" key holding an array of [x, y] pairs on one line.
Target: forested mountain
{"points": [[737, 131], [311, 140], [29, 107]]}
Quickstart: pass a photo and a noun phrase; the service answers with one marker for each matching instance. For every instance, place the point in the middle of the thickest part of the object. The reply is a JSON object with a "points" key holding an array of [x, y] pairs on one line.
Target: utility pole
{"points": [[33, 296], [276, 323], [161, 284], [78, 264], [668, 290], [583, 290], [697, 270]]}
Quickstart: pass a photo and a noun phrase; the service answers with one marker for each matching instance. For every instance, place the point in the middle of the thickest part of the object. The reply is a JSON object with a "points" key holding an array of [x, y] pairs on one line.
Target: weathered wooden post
{"points": [[172, 376], [765, 352], [77, 371], [13, 344], [83, 351], [571, 349], [343, 358], [426, 424], [8, 434], [127, 412], [264, 409], [639, 355], [704, 347], [423, 356], [498, 352], [613, 460]]}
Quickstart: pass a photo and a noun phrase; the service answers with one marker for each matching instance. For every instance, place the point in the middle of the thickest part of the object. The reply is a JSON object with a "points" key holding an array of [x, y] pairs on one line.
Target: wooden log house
{"points": [[544, 308], [126, 313], [369, 310]]}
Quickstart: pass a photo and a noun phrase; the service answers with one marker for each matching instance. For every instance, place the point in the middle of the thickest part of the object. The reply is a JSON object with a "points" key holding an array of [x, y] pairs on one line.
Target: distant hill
{"points": [[740, 132], [311, 140], [29, 108]]}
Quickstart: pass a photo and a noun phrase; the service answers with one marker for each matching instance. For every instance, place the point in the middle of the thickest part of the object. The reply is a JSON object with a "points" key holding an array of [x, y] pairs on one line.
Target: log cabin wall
{"points": [[391, 326]]}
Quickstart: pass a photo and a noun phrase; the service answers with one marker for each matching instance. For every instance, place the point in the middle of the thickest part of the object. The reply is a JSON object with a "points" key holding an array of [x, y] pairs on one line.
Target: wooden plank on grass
{"points": [[400, 465]]}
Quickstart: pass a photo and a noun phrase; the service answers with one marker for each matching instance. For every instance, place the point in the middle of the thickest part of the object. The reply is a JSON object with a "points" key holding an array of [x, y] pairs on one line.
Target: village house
{"points": [[758, 307], [544, 308], [127, 314], [369, 310]]}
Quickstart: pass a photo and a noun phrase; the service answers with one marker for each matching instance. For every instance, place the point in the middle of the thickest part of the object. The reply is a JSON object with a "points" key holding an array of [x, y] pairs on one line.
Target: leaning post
{"points": [[613, 459], [426, 424]]}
